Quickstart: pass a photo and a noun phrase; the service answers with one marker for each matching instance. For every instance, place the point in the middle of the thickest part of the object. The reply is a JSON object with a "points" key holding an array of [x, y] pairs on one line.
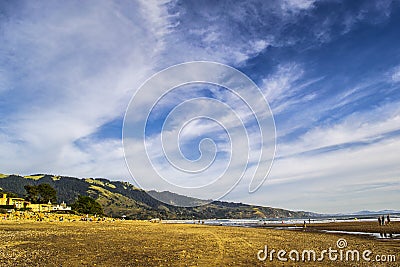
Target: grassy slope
{"points": [[122, 198]]}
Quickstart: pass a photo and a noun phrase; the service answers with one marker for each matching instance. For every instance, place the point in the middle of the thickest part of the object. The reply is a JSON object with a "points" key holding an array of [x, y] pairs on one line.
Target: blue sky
{"points": [[329, 69]]}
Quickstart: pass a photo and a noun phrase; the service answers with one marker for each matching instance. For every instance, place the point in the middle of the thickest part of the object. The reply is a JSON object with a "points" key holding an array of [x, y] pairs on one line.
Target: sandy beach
{"points": [[142, 243]]}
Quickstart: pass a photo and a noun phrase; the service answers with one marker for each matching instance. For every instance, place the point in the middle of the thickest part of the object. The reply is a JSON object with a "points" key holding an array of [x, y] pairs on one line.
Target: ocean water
{"points": [[284, 221]]}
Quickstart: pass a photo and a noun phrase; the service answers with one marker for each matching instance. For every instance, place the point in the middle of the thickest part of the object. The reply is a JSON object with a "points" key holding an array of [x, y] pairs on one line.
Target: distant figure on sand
{"points": [[304, 224], [383, 219], [388, 219], [379, 221]]}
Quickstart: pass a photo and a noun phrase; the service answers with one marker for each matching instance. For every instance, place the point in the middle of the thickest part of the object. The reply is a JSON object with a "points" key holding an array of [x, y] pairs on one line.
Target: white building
{"points": [[61, 207]]}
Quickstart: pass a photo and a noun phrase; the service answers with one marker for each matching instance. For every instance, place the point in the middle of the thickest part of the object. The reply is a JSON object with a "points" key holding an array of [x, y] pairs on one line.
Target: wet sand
{"points": [[141, 243], [353, 226], [369, 227]]}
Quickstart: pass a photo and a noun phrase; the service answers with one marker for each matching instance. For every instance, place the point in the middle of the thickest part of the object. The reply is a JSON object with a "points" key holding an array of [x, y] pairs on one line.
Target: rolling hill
{"points": [[122, 198]]}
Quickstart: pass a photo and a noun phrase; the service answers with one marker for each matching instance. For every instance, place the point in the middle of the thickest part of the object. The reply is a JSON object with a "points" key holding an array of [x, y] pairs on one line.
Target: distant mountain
{"points": [[177, 200], [122, 198], [367, 212], [362, 213]]}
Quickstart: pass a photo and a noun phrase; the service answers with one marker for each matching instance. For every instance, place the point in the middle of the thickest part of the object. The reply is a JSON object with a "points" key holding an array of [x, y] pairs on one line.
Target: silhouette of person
{"points": [[388, 219], [379, 220], [383, 220]]}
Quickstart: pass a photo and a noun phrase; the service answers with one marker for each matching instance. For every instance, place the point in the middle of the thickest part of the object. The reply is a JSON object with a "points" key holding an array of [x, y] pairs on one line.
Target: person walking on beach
{"points": [[379, 221], [388, 219], [383, 219]]}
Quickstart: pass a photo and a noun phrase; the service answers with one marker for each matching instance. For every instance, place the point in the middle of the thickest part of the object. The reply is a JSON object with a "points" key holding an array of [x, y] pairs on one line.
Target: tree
{"points": [[9, 194], [41, 194], [32, 193], [87, 205]]}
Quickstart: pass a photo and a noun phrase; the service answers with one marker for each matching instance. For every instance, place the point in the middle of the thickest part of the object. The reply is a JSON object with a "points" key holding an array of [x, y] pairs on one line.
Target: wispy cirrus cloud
{"points": [[284, 88], [295, 5], [359, 127]]}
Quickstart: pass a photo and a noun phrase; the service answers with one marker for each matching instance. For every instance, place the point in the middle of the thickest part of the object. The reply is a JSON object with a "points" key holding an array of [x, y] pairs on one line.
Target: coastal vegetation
{"points": [[87, 205], [40, 194]]}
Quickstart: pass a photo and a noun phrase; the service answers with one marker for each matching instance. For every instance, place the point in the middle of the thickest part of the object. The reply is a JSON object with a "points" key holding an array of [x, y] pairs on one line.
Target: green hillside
{"points": [[122, 198]]}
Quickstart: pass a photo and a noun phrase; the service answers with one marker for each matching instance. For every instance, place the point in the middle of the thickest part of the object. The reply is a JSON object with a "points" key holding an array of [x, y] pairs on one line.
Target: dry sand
{"points": [[141, 243]]}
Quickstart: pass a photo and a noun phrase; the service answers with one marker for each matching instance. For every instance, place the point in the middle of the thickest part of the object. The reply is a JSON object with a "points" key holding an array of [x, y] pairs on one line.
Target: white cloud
{"points": [[231, 35], [294, 5], [396, 74], [284, 88], [280, 85], [357, 127]]}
